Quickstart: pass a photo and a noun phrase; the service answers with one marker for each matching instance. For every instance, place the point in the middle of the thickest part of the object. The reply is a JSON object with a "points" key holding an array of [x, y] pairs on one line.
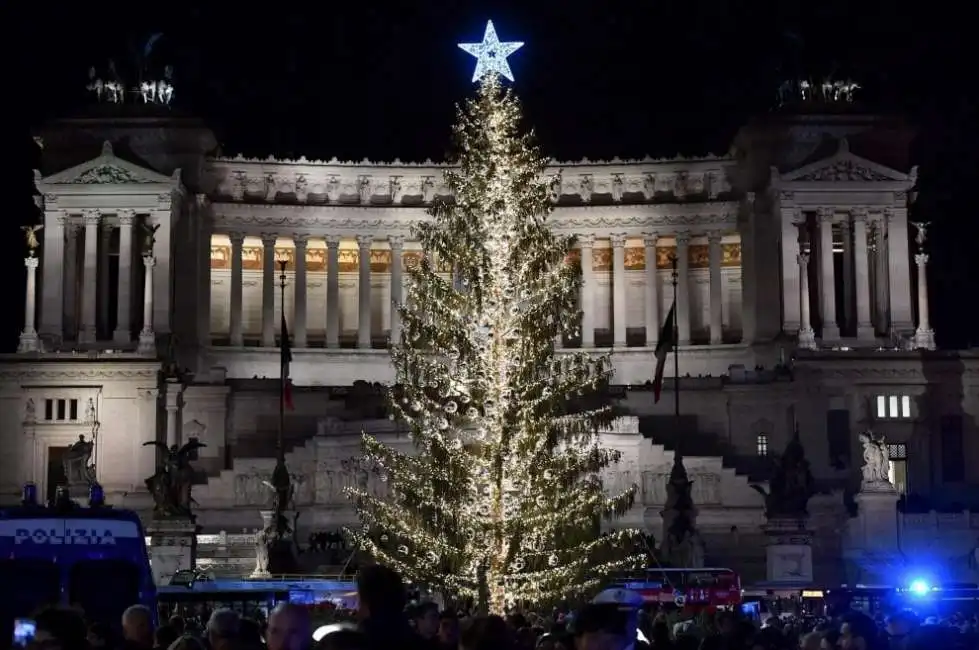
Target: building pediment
{"points": [[110, 169], [846, 167]]}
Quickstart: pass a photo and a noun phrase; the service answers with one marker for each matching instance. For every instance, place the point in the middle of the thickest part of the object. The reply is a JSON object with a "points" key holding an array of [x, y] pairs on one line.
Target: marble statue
{"points": [[875, 462], [173, 480], [261, 554], [30, 234], [77, 463]]}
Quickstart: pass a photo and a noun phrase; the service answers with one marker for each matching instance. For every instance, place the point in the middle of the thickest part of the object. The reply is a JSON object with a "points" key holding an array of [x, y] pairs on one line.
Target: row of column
{"points": [[299, 334], [652, 316], [856, 262], [61, 268]]}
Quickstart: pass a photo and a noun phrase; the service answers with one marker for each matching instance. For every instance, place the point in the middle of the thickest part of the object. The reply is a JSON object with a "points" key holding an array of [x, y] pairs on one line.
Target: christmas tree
{"points": [[502, 500]]}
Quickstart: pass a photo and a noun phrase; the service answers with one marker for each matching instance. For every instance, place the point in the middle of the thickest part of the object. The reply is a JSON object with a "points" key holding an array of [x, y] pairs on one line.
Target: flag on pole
{"points": [[665, 345], [285, 362]]}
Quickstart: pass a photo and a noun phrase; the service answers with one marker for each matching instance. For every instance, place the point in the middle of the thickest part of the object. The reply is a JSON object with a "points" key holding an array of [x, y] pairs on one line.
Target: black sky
{"points": [[379, 80]]}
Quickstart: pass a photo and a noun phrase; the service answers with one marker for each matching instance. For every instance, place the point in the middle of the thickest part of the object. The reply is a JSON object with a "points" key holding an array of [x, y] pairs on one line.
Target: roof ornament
{"points": [[827, 91], [111, 88]]}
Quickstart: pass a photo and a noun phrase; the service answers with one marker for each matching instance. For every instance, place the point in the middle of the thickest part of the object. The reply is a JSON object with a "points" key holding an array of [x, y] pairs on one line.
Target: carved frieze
{"points": [[108, 175], [844, 171]]}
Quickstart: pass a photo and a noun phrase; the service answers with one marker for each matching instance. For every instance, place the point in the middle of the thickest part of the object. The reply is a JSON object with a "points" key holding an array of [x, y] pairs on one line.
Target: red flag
{"points": [[285, 362], [665, 345]]}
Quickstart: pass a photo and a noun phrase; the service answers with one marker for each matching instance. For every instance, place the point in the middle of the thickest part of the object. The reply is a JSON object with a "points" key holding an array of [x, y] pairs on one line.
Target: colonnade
{"points": [[588, 245]]}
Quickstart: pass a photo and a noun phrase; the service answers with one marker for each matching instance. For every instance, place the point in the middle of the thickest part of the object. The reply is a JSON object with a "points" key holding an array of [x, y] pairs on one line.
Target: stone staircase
{"points": [[697, 443]]}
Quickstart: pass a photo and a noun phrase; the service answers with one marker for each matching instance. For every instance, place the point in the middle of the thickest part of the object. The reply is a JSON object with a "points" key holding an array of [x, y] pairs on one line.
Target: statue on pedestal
{"points": [[682, 544], [791, 485], [78, 466], [30, 234], [279, 536], [875, 464], [174, 478]]}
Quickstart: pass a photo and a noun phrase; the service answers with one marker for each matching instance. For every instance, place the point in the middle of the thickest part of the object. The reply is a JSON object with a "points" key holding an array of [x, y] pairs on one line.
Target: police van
{"points": [[91, 557]]}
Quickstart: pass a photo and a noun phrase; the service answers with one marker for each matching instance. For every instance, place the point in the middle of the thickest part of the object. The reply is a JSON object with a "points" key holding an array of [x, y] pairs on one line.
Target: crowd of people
{"points": [[616, 620]]}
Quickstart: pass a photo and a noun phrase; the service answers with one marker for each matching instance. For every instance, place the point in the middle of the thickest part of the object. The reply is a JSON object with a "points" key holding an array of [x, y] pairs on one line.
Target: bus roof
{"points": [[687, 569]]}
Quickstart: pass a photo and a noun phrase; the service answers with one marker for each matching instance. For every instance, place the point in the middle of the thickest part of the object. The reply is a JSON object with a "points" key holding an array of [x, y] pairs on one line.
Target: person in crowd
{"points": [[381, 604], [188, 642], [289, 628], [810, 641], [59, 628], [486, 633], [860, 632], [448, 636], [426, 620], [250, 634], [178, 624], [344, 639], [165, 635], [100, 636], [137, 628], [222, 629]]}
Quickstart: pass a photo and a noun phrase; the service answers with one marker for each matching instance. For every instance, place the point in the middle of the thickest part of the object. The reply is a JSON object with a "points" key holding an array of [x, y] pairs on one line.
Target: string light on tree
{"points": [[491, 55], [502, 500]]}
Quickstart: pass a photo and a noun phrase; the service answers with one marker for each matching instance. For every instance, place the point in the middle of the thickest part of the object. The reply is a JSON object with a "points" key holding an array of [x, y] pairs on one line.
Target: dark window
{"points": [[118, 588], [73, 409], [49, 409], [37, 583], [838, 437], [953, 460]]}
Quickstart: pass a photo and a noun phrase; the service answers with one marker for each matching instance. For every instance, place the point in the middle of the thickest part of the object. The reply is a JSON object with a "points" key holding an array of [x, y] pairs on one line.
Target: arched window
{"points": [[761, 444]]}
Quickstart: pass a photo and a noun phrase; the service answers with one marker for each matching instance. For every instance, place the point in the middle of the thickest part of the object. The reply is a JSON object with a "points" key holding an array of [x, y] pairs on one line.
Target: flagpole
{"points": [[279, 444], [676, 353]]}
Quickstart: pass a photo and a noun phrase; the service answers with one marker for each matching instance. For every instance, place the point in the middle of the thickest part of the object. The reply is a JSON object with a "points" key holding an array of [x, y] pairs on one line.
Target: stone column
{"points": [[299, 292], [53, 278], [618, 290], [105, 242], [846, 234], [332, 291], [651, 288], [28, 337], [791, 220], [70, 278], [123, 333], [831, 331], [898, 269], [235, 330], [807, 337], [861, 259], [881, 291], [364, 291], [87, 335], [397, 243], [924, 336], [716, 287], [174, 389], [268, 290], [683, 287], [147, 337], [587, 243]]}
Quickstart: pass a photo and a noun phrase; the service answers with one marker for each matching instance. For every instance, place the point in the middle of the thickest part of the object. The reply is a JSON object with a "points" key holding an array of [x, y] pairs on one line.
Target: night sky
{"points": [[379, 80]]}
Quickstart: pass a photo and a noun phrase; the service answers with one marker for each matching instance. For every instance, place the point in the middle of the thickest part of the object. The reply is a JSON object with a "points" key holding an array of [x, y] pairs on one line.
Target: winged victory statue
{"points": [[173, 480]]}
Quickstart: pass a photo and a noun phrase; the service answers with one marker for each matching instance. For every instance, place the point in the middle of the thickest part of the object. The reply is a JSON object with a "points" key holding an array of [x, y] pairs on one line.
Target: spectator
{"points": [[222, 629], [137, 628], [486, 633], [59, 628], [100, 636], [165, 635], [427, 620], [381, 598], [448, 636], [289, 628], [178, 624]]}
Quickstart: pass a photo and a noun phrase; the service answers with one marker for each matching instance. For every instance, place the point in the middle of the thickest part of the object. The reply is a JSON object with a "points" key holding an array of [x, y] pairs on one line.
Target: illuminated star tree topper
{"points": [[491, 55]]}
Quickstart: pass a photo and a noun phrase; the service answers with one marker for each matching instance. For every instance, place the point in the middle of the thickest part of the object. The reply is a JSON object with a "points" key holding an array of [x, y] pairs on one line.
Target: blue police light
{"points": [[29, 494], [96, 496], [919, 587]]}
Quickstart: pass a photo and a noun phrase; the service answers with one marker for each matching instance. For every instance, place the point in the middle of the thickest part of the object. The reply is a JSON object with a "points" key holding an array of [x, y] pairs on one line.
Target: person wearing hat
{"points": [[610, 622]]}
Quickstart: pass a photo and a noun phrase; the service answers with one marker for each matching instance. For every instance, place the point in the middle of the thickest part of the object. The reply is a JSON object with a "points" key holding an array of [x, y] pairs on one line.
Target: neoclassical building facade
{"points": [[153, 313]]}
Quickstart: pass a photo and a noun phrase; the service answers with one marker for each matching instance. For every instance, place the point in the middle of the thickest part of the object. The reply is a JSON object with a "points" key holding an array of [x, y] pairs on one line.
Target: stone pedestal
{"points": [[173, 547], [28, 337], [872, 543], [788, 555]]}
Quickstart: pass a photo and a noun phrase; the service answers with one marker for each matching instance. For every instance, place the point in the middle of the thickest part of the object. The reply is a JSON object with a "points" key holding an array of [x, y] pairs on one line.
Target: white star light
{"points": [[491, 54]]}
